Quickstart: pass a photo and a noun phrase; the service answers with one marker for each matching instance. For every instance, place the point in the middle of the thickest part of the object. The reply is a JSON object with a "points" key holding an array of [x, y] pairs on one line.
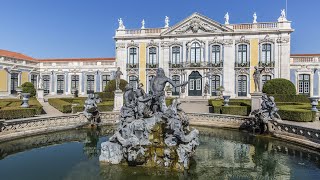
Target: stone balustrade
{"points": [[304, 59]]}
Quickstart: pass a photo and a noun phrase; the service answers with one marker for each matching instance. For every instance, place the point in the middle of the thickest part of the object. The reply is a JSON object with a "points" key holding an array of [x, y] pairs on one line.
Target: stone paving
{"points": [[51, 111]]}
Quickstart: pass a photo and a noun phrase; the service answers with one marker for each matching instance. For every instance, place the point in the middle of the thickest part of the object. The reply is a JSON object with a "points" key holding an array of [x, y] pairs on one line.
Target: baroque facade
{"points": [[197, 49], [201, 50]]}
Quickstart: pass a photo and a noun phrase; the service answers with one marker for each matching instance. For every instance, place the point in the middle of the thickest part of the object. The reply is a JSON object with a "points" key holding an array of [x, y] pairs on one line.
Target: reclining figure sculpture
{"points": [[150, 133]]}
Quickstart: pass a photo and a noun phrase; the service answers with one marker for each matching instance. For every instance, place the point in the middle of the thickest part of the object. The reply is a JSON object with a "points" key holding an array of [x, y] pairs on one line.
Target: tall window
{"points": [[46, 84], [60, 84], [105, 80], [152, 55], [242, 85], [34, 80], [133, 81], [176, 80], [304, 84], [242, 53], [14, 82], [215, 84], [90, 84], [75, 82], [265, 78], [175, 55], [215, 54], [195, 54], [266, 54], [133, 56], [149, 83]]}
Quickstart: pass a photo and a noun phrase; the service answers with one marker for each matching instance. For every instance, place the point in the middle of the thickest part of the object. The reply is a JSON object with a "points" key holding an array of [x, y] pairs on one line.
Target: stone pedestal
{"points": [[182, 95], [256, 100], [40, 95], [118, 100], [206, 96]]}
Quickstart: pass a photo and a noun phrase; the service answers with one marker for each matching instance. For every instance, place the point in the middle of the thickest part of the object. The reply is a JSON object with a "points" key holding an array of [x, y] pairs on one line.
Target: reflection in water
{"points": [[222, 154]]}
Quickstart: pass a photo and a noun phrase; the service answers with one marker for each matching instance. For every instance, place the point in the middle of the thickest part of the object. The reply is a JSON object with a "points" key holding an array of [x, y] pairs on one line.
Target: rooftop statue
{"points": [[226, 17], [166, 22], [255, 17], [121, 26], [150, 133]]}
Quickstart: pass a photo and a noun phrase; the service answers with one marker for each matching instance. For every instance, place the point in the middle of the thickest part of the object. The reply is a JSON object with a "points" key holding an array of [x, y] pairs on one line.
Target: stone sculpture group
{"points": [[150, 133], [91, 111]]}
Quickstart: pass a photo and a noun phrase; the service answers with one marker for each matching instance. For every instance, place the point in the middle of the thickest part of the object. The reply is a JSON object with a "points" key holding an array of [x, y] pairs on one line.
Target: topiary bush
{"points": [[279, 86], [28, 87], [111, 86]]}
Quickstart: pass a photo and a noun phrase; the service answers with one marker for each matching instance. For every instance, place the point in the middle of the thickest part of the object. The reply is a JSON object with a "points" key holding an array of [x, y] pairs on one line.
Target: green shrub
{"points": [[279, 86], [15, 113], [28, 87], [290, 98], [61, 105], [235, 110], [111, 86]]}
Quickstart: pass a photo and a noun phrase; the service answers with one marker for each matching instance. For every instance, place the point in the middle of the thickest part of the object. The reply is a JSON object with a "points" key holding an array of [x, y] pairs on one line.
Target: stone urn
{"points": [[314, 103], [25, 100], [19, 90], [226, 100]]}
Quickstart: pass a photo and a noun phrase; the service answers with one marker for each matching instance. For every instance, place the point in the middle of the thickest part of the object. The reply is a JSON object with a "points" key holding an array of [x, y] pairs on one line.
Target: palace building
{"points": [[197, 49]]}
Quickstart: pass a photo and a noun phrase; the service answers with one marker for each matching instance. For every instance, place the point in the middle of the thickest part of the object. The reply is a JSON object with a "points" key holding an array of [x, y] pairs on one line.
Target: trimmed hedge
{"points": [[300, 112], [279, 86], [61, 105], [290, 98], [15, 113], [235, 110], [240, 107]]}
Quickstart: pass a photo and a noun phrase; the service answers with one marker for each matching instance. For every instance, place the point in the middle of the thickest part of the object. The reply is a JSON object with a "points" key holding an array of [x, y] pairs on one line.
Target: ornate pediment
{"points": [[196, 23]]}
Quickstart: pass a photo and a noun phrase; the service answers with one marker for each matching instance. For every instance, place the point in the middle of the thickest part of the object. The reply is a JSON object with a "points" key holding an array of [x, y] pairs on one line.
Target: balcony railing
{"points": [[152, 65], [132, 66], [215, 64], [242, 64], [266, 64], [175, 65]]}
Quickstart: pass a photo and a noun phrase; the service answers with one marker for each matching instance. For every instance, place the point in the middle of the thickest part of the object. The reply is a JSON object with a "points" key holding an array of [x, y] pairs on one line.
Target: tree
{"points": [[28, 87], [111, 85], [279, 86]]}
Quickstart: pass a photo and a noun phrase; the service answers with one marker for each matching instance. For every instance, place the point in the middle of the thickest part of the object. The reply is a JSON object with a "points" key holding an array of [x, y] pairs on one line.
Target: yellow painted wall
{"points": [[254, 59], [142, 64], [3, 81], [24, 77]]}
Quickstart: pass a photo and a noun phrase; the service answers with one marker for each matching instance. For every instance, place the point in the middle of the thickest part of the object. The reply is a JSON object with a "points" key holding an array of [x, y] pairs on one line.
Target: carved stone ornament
{"points": [[174, 71], [152, 43], [216, 71], [268, 70], [243, 40], [165, 44], [120, 45], [266, 39], [195, 25], [132, 44], [151, 72], [133, 72], [242, 71], [175, 43], [283, 40]]}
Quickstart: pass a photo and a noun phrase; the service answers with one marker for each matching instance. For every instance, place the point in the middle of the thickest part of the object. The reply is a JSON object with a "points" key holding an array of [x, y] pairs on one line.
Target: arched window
{"points": [[215, 84], [195, 54], [175, 55], [215, 54], [60, 84], [133, 81], [133, 56], [242, 54], [75, 82], [46, 84], [242, 85], [266, 54], [90, 84], [304, 84], [34, 80], [152, 57], [176, 80]]}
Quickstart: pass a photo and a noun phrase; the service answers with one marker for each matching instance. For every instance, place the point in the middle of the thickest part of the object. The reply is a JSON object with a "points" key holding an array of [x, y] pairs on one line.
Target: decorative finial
{"points": [[166, 22], [142, 24], [255, 17], [226, 17], [282, 17], [121, 26]]}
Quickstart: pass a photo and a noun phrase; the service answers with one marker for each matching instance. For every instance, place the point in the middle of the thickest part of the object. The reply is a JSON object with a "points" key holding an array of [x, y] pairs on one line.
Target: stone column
{"points": [[118, 100], [228, 70]]}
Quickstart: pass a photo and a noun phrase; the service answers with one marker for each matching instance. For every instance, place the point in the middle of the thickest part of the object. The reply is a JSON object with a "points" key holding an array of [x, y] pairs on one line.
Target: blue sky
{"points": [[85, 28]]}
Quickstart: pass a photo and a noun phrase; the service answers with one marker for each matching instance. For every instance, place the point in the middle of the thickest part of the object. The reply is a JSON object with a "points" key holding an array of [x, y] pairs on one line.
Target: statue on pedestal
{"points": [[255, 17], [118, 75], [121, 25], [256, 78]]}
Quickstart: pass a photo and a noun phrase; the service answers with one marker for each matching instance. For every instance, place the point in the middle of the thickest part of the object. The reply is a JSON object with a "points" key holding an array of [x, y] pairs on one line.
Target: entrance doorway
{"points": [[195, 84]]}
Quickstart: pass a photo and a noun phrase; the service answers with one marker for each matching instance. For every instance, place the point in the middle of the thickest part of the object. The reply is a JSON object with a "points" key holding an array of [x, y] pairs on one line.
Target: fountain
{"points": [[150, 133]]}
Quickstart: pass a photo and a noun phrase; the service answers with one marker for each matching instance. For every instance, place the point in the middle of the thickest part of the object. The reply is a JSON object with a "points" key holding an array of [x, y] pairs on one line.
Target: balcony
{"points": [[132, 66], [175, 65], [215, 64], [266, 64], [151, 66], [241, 64]]}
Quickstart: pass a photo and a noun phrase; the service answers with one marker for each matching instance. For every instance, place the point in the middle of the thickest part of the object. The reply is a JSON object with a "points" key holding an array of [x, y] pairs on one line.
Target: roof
{"points": [[76, 59], [15, 55], [305, 55]]}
